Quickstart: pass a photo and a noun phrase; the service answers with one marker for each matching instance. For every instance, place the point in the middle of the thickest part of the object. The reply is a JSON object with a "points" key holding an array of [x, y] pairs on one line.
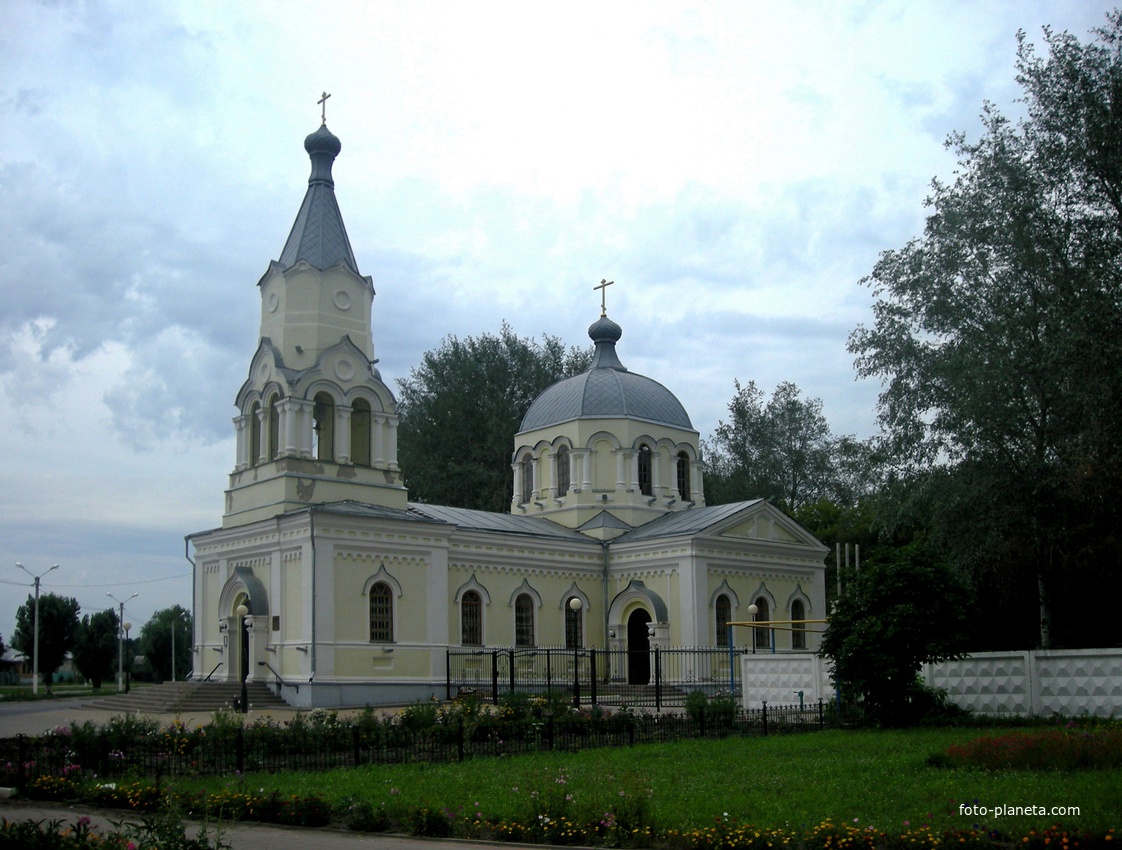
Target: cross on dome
{"points": [[323, 103], [604, 284]]}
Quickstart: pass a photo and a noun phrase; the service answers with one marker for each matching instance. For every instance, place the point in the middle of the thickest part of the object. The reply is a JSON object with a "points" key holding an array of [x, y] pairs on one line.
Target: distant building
{"points": [[355, 594]]}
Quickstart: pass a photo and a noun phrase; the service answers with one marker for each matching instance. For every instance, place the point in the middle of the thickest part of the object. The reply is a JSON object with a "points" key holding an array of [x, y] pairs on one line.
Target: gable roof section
{"points": [[735, 521]]}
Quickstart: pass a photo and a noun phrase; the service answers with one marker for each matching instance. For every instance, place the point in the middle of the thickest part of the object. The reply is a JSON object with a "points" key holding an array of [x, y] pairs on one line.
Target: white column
{"points": [[586, 476], [537, 480], [287, 427], [696, 482], [574, 468], [391, 442], [656, 469], [263, 435], [377, 421], [516, 470], [621, 460], [241, 453], [342, 433]]}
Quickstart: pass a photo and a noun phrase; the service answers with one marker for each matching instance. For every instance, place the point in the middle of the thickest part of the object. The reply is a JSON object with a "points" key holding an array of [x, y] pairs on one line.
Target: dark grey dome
{"points": [[606, 390]]}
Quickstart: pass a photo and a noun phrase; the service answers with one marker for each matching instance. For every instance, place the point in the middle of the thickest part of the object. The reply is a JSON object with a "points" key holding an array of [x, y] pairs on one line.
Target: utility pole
{"points": [[35, 639], [175, 622]]}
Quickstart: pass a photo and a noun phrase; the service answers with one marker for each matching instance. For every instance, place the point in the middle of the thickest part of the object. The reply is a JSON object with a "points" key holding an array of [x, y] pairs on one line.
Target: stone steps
{"points": [[188, 697]]}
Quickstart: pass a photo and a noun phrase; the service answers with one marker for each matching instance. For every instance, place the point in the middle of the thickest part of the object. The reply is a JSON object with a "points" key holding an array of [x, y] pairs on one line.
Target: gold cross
{"points": [[323, 102], [604, 284]]}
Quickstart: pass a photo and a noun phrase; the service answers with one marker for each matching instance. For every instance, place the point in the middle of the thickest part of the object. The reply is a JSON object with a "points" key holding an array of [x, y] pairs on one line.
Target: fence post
{"points": [[576, 678], [354, 744], [512, 679], [592, 675], [447, 674], [658, 680], [821, 715], [239, 751], [495, 676], [765, 718]]}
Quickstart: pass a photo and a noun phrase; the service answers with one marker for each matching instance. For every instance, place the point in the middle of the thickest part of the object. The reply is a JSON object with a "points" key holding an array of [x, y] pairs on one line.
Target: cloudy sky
{"points": [[734, 167]]}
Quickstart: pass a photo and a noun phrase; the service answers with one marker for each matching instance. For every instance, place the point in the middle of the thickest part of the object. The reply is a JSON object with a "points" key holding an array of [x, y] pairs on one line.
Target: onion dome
{"points": [[606, 390]]}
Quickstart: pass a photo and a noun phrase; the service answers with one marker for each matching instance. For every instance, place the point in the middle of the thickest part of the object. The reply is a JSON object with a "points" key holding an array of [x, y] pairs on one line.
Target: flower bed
{"points": [[551, 819], [1073, 747]]}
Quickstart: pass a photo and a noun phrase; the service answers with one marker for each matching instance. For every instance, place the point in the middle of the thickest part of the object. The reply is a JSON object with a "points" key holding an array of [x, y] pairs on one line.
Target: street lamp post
{"points": [[575, 605], [121, 640], [242, 611], [35, 638]]}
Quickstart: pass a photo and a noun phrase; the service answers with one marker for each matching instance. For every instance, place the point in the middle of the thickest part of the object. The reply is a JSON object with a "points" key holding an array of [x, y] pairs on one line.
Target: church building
{"points": [[326, 582]]}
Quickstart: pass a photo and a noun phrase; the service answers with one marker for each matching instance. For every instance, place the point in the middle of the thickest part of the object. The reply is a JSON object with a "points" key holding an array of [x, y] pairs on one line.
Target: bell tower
{"points": [[315, 422]]}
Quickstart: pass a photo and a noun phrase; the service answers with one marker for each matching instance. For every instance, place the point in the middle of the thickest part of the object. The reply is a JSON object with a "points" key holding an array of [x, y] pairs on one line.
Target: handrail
{"points": [[277, 676], [211, 673]]}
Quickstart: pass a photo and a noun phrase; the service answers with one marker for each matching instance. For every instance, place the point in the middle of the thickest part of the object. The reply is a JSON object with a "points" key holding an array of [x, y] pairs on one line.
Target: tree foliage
{"points": [[58, 624], [461, 408], [998, 332], [155, 642], [782, 450], [95, 646], [892, 618]]}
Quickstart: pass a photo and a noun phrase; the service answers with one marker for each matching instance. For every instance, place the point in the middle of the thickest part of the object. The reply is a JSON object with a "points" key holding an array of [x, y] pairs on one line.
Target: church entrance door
{"points": [[638, 648]]}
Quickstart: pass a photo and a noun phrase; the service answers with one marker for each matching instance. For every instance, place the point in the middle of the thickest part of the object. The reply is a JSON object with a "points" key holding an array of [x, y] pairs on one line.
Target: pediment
{"points": [[764, 522]]}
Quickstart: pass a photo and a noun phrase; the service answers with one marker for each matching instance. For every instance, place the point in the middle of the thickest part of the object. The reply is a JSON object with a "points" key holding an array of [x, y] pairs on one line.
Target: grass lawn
{"points": [[879, 779]]}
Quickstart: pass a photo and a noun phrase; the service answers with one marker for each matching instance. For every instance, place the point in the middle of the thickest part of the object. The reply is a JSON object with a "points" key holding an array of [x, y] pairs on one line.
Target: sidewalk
{"points": [[242, 836], [35, 718]]}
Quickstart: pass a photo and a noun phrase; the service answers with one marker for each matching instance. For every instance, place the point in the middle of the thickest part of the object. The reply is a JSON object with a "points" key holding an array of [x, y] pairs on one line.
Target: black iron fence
{"points": [[454, 736], [656, 678]]}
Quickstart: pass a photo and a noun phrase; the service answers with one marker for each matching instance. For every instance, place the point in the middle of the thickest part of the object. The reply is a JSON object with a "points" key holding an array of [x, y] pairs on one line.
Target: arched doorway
{"points": [[638, 648]]}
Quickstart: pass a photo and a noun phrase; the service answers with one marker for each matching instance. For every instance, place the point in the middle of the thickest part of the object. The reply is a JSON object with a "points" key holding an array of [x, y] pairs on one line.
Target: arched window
{"points": [[645, 469], [574, 625], [381, 613], [323, 427], [562, 471], [471, 619], [684, 476], [527, 478], [524, 620], [722, 613], [360, 432], [762, 637], [254, 434], [798, 630], [273, 449]]}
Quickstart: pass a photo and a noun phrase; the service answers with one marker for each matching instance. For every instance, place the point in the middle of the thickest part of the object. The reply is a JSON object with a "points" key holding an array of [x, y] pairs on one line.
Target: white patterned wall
{"points": [[776, 678], [1079, 681], [1059, 681], [988, 682]]}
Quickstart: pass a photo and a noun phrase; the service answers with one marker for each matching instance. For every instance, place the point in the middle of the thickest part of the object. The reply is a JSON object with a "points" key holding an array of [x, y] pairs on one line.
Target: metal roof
{"points": [[499, 523]]}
